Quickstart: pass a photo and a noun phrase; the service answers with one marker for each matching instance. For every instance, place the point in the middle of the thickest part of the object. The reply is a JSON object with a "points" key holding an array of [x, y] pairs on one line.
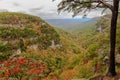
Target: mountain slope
{"points": [[94, 60], [72, 25], [50, 53], [28, 43], [21, 32]]}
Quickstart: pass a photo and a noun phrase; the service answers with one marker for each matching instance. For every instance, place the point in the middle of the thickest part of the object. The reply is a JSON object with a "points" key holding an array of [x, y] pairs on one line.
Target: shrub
{"points": [[20, 68], [4, 55]]}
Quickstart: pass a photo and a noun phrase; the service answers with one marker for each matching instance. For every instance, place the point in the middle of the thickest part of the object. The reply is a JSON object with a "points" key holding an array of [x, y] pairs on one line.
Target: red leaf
{"points": [[6, 64], [35, 78], [0, 75], [36, 71], [7, 73], [22, 61]]}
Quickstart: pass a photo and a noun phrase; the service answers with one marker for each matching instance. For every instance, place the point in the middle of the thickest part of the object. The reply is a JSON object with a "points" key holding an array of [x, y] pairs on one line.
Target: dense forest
{"points": [[60, 40], [31, 49]]}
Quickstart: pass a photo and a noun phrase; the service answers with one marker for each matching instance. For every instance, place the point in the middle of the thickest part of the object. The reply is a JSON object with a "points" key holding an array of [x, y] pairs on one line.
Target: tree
{"points": [[84, 6]]}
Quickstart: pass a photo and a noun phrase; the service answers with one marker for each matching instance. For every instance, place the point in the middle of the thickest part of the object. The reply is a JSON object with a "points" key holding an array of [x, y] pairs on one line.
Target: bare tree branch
{"points": [[107, 4], [96, 1]]}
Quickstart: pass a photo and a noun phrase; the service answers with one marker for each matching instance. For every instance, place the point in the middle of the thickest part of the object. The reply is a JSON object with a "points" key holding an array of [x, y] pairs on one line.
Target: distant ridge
{"points": [[62, 23], [71, 24]]}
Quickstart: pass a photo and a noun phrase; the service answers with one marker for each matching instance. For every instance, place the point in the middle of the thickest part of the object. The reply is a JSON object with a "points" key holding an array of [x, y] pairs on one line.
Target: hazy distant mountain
{"points": [[72, 24], [65, 23], [3, 10]]}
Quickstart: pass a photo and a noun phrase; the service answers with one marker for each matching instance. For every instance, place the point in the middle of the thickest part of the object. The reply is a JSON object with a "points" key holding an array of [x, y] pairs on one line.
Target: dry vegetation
{"points": [[78, 55]]}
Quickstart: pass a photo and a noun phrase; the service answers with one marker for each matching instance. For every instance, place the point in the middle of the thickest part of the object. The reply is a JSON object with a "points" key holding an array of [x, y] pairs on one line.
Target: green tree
{"points": [[84, 6]]}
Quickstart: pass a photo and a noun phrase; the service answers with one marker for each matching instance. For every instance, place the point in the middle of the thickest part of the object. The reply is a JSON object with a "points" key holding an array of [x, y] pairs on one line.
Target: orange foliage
{"points": [[69, 74]]}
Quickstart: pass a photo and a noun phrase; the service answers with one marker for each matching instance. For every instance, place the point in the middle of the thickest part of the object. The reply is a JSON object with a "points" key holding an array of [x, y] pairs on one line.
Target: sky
{"points": [[44, 8]]}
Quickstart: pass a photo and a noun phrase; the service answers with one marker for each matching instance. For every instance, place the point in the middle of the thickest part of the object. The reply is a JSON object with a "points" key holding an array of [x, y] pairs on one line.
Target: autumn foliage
{"points": [[23, 69]]}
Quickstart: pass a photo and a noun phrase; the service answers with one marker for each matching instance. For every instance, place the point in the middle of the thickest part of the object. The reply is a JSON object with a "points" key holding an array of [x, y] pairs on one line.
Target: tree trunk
{"points": [[111, 69]]}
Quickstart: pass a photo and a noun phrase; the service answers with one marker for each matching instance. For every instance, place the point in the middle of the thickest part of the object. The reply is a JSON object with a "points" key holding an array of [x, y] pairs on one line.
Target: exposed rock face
{"points": [[54, 46], [19, 25], [18, 51], [117, 58], [20, 31], [5, 42], [101, 53], [101, 25], [34, 46]]}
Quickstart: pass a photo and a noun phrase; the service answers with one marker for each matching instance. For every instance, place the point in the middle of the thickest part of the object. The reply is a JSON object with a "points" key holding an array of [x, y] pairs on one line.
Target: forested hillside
{"points": [[94, 43], [31, 49]]}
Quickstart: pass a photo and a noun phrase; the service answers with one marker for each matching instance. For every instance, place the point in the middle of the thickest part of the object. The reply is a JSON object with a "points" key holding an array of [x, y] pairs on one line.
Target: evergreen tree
{"points": [[84, 6]]}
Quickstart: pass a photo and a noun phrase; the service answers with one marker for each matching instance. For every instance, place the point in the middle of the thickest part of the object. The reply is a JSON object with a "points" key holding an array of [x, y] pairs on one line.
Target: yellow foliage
{"points": [[69, 74]]}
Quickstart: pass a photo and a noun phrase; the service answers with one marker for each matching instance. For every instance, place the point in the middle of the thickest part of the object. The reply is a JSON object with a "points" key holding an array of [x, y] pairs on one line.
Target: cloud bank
{"points": [[42, 8]]}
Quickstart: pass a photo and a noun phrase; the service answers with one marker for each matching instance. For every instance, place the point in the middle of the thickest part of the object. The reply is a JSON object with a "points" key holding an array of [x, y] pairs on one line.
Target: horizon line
{"points": [[68, 18]]}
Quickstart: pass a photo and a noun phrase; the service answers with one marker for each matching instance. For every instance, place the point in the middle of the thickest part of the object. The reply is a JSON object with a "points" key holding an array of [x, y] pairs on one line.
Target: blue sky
{"points": [[42, 8]]}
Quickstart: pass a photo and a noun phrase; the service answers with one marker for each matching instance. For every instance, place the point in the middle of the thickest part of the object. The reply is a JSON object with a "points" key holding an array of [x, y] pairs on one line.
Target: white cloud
{"points": [[42, 8]]}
